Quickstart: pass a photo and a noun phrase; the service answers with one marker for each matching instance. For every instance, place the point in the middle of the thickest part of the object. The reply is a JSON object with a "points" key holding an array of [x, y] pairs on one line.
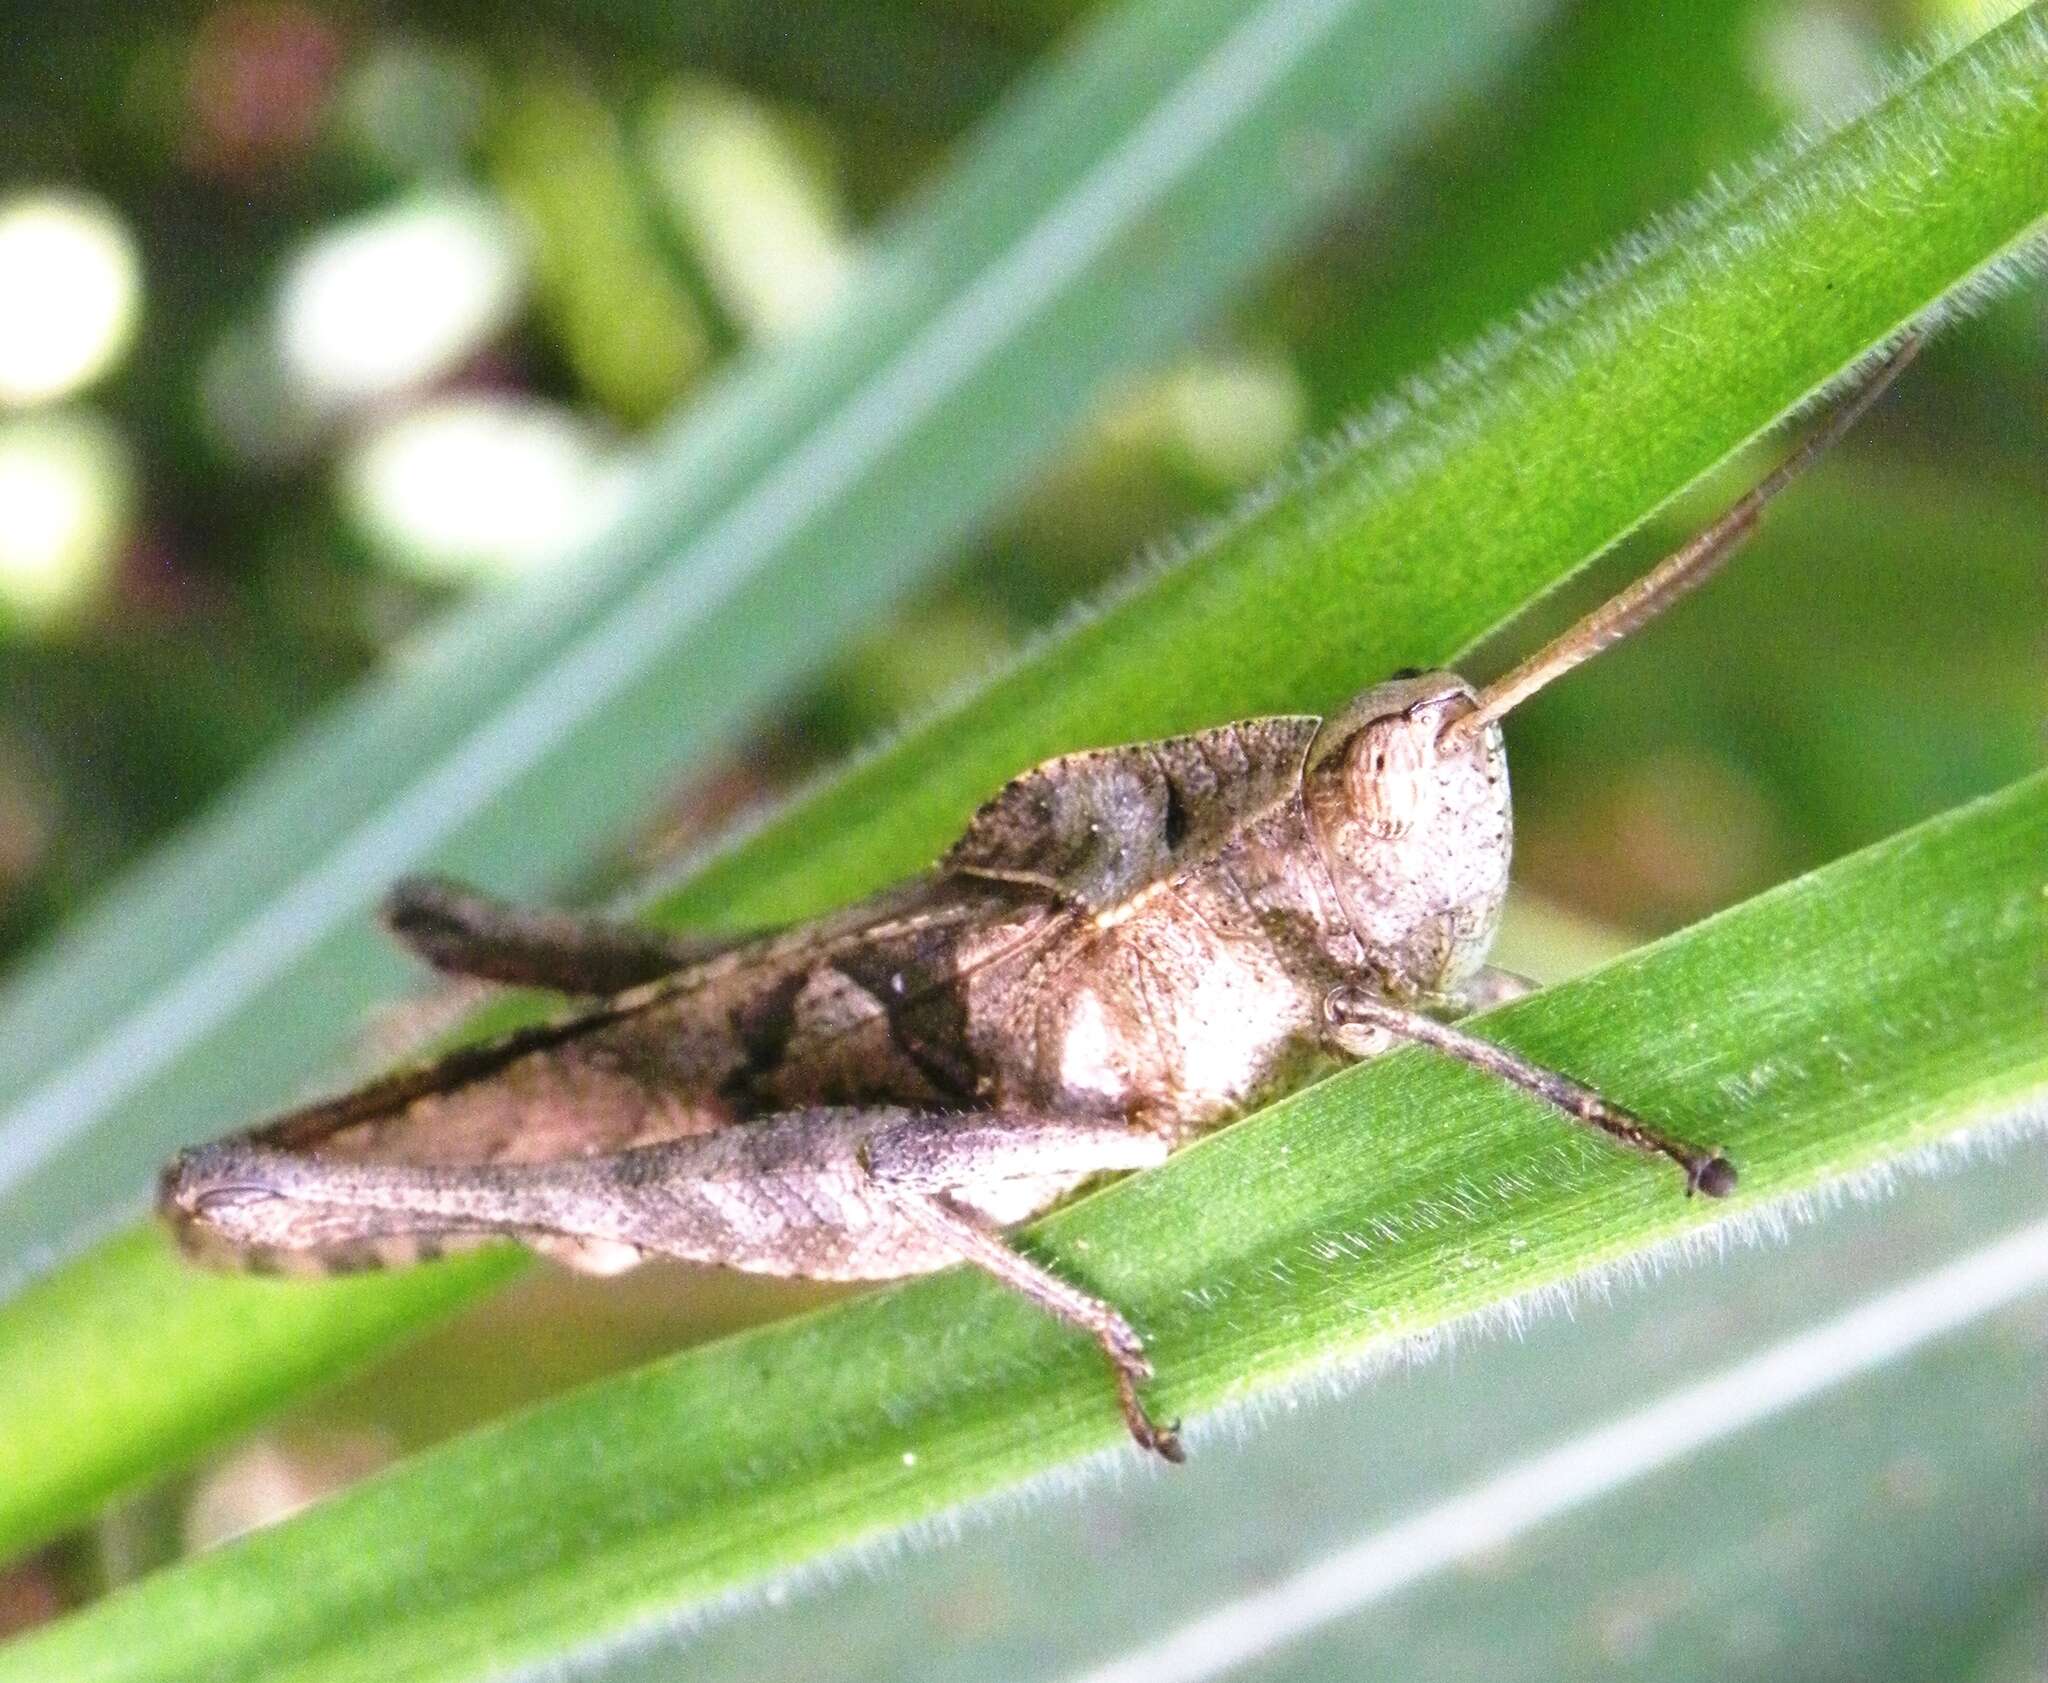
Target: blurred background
{"points": [[318, 321], [315, 319]]}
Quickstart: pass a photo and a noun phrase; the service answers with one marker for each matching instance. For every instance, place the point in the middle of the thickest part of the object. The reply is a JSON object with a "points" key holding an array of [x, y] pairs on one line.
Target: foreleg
{"points": [[1705, 1171]]}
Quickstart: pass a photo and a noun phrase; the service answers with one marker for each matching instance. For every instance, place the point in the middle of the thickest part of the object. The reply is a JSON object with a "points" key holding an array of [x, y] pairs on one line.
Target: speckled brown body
{"points": [[1142, 935], [1125, 948]]}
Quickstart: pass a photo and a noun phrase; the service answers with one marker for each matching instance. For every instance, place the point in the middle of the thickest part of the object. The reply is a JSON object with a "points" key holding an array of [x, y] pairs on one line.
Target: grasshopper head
{"points": [[1407, 788], [1414, 827]]}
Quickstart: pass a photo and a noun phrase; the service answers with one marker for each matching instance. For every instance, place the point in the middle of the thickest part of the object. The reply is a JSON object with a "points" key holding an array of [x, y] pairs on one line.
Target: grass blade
{"points": [[1113, 205], [1860, 1013], [1447, 509], [1797, 1461]]}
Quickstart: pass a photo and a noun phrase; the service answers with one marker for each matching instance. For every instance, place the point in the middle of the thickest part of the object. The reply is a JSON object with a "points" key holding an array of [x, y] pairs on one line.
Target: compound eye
{"points": [[1383, 776]]}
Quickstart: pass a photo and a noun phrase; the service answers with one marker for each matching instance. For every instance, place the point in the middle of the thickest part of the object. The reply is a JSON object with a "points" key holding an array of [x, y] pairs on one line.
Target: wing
{"points": [[651, 1064], [464, 932], [1096, 827]]}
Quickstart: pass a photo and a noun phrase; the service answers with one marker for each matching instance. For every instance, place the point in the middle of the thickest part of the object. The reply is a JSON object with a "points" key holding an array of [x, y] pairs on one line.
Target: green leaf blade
{"points": [[1447, 510], [1875, 1007], [136, 1292]]}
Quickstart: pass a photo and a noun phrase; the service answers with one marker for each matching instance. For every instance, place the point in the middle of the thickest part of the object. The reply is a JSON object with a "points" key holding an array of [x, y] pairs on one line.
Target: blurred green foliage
{"points": [[243, 586]]}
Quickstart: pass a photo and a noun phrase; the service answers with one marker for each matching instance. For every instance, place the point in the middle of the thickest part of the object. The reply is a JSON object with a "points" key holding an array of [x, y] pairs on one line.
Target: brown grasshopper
{"points": [[1127, 948]]}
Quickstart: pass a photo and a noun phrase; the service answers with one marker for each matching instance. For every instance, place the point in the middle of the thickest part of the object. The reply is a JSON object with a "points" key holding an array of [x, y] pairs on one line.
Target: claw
{"points": [[1162, 1441], [1130, 1366]]}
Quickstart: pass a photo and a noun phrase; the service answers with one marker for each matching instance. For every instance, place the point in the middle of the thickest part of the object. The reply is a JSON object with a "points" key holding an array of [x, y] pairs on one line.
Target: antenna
{"points": [[1678, 574]]}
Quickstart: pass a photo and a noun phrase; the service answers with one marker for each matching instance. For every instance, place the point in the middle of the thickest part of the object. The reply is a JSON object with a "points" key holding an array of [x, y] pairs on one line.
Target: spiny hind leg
{"points": [[464, 933], [1129, 1367], [1705, 1171], [365, 1246], [794, 1193], [927, 1164]]}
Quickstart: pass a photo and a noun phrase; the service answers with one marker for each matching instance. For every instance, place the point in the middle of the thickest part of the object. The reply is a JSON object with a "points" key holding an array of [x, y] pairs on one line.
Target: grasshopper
{"points": [[1126, 948]]}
